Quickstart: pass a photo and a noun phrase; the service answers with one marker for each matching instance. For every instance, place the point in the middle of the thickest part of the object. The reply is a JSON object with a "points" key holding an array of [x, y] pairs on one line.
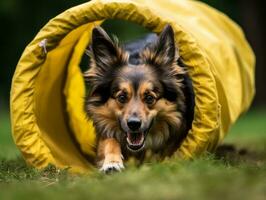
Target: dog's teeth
{"points": [[135, 142], [129, 139]]}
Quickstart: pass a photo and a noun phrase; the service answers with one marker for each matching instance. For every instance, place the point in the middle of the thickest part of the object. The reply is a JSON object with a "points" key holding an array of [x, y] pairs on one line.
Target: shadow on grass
{"points": [[233, 155]]}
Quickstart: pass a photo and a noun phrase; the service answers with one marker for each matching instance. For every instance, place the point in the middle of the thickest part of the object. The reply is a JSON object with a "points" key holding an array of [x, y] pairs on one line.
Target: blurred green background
{"points": [[22, 19]]}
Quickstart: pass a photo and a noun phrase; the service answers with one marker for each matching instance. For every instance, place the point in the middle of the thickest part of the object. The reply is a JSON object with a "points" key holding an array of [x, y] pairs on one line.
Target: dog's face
{"points": [[136, 92], [128, 101]]}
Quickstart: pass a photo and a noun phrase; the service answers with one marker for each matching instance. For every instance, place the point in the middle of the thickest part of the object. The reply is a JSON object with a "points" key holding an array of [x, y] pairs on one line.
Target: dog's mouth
{"points": [[135, 141]]}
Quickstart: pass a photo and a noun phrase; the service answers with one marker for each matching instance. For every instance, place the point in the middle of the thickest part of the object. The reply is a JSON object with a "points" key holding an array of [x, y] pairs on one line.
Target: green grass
{"points": [[241, 174], [8, 149]]}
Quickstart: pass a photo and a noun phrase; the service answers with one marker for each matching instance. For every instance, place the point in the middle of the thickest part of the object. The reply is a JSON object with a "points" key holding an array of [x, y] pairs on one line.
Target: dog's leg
{"points": [[109, 154]]}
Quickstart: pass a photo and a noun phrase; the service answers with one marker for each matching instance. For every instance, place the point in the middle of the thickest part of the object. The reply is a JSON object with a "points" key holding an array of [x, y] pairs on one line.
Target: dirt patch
{"points": [[234, 155]]}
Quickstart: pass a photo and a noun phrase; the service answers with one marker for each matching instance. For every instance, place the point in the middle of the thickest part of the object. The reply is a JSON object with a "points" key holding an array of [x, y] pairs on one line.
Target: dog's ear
{"points": [[164, 52], [105, 52], [105, 57], [163, 56]]}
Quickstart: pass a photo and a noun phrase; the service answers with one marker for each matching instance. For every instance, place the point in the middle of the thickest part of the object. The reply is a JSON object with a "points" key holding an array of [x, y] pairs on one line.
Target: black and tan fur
{"points": [[137, 98]]}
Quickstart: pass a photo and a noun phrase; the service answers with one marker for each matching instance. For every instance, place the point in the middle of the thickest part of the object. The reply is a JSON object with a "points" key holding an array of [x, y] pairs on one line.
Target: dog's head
{"points": [[129, 101]]}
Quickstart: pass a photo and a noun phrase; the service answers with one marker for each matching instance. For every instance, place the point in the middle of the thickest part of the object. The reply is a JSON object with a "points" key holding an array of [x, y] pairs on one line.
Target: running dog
{"points": [[140, 97]]}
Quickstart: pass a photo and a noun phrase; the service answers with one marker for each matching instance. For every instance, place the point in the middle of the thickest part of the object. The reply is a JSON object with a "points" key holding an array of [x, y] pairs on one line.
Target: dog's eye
{"points": [[149, 99], [122, 98]]}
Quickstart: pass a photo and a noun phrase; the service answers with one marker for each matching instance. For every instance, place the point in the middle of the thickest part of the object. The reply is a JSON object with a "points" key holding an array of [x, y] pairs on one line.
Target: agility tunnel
{"points": [[49, 123]]}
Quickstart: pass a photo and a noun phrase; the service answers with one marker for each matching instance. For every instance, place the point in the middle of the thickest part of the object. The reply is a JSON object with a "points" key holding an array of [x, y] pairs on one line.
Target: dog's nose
{"points": [[134, 123]]}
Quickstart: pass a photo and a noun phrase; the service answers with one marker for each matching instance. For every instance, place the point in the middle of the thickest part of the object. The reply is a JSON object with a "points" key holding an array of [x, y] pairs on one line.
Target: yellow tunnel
{"points": [[49, 123]]}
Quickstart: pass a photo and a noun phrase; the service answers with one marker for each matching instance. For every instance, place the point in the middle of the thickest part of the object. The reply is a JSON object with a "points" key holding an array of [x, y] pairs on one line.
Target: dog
{"points": [[140, 97]]}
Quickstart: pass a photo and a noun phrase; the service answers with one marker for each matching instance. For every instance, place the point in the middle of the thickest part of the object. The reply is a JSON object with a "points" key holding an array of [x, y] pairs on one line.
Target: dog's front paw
{"points": [[112, 164], [112, 167]]}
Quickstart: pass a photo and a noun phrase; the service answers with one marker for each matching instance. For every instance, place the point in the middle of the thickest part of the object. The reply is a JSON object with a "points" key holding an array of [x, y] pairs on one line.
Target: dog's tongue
{"points": [[135, 138]]}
